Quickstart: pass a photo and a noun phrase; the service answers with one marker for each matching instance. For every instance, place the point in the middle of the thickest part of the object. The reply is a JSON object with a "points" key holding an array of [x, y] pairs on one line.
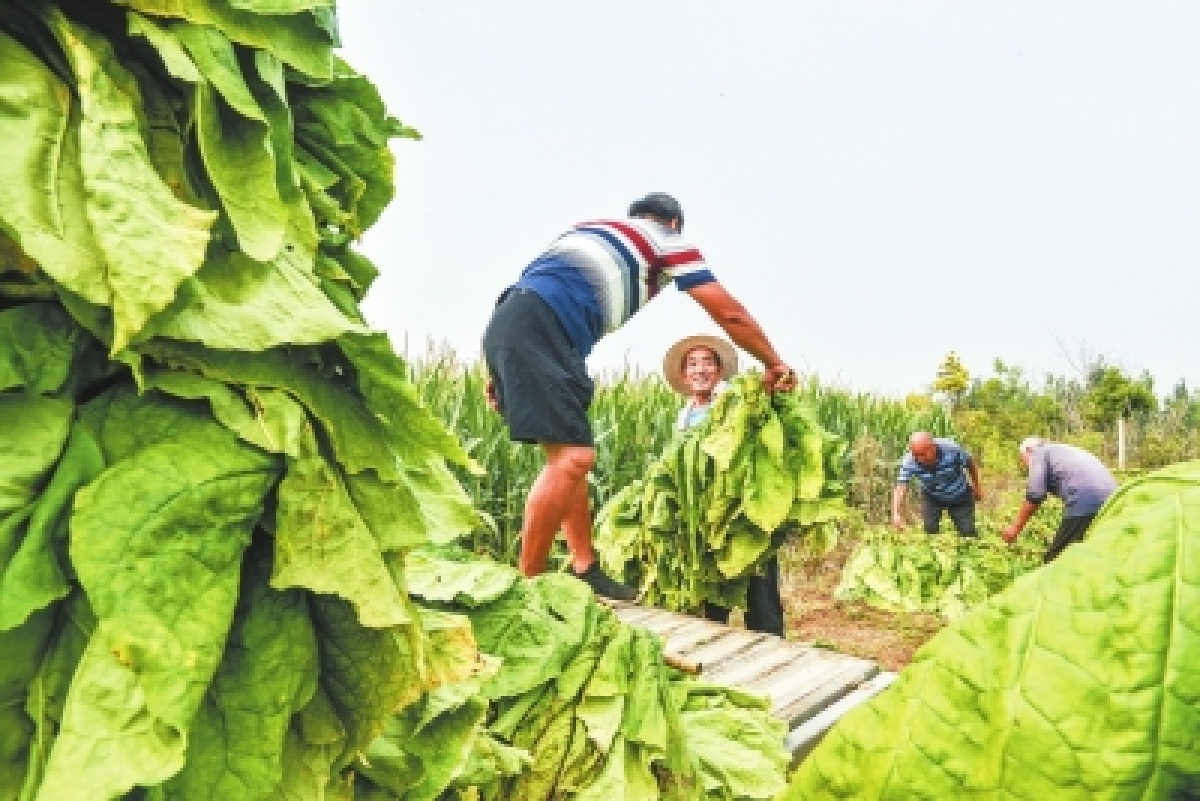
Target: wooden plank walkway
{"points": [[801, 681]]}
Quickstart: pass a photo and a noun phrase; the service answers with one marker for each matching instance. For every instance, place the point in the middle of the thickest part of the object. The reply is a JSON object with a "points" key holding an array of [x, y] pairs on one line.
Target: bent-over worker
{"points": [[1074, 475], [949, 480], [587, 284]]}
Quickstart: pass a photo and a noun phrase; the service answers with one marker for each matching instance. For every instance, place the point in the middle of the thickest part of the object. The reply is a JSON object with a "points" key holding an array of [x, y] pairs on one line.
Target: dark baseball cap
{"points": [[658, 204]]}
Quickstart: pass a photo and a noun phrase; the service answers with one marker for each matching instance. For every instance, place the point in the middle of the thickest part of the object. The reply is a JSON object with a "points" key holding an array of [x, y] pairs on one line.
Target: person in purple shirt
{"points": [[1074, 475]]}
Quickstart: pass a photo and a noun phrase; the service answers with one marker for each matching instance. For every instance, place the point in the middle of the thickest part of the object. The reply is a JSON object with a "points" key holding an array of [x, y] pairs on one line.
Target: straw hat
{"points": [[673, 361]]}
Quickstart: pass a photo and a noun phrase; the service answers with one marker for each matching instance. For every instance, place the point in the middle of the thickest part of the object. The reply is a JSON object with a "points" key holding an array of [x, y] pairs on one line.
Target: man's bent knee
{"points": [[575, 460]]}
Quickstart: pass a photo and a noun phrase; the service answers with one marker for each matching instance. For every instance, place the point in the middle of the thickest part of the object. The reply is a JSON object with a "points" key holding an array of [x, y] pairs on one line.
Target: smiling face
{"points": [[701, 372]]}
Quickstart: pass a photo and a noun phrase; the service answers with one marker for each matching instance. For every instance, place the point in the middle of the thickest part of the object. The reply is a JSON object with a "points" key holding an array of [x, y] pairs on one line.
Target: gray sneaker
{"points": [[602, 584]]}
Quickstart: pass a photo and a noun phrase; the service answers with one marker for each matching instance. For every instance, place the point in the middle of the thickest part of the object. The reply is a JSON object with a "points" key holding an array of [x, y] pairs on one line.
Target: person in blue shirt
{"points": [[1073, 474], [699, 367], [949, 480]]}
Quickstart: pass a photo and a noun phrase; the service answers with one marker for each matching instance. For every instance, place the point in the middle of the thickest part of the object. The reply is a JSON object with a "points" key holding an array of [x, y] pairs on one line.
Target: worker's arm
{"points": [[1035, 493], [735, 321], [898, 494], [1028, 507], [973, 474]]}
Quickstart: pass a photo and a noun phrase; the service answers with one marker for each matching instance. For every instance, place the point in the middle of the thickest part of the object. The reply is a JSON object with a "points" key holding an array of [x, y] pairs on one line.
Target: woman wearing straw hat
{"points": [[699, 368]]}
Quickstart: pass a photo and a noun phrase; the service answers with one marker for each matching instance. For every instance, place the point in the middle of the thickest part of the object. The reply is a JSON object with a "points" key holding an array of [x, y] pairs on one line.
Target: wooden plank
{"points": [[802, 739], [764, 658], [728, 645], [799, 680], [633, 614], [794, 671], [786, 689], [664, 623], [840, 684], [683, 640]]}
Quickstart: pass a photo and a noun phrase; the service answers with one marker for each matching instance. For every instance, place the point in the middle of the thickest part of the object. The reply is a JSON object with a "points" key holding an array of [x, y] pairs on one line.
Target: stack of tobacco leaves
{"points": [[722, 498]]}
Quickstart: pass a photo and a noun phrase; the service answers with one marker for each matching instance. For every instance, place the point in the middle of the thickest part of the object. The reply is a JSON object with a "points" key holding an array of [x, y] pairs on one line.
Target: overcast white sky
{"points": [[879, 183]]}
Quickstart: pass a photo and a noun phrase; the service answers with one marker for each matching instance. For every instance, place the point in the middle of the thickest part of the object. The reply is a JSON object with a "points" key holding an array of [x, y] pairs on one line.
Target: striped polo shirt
{"points": [[599, 274], [946, 480]]}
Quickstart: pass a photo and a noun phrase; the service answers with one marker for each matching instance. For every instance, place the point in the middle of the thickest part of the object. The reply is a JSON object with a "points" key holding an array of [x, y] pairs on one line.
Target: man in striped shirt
{"points": [[941, 467], [587, 284]]}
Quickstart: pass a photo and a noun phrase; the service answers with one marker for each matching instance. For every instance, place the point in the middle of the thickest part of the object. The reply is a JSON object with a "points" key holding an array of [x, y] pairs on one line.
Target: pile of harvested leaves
{"points": [[210, 469], [722, 498], [573, 704], [907, 571]]}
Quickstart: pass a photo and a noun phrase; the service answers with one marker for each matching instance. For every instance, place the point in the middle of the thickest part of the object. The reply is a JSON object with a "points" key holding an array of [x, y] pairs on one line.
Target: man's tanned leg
{"points": [[577, 529], [554, 497]]}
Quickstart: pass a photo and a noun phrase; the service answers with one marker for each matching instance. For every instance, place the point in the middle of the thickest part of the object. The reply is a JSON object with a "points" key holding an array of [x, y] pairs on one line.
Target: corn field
{"points": [[633, 416]]}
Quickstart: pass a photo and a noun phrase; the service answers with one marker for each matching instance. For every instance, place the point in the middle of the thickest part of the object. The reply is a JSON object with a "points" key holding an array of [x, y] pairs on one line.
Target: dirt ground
{"points": [[813, 616]]}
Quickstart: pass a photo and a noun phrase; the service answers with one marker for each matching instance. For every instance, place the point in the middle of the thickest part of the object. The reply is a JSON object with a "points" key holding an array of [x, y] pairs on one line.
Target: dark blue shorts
{"points": [[541, 380]]}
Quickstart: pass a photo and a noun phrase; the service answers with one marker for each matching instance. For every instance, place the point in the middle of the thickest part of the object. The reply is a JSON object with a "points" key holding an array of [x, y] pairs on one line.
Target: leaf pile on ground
{"points": [[575, 705], [714, 508], [907, 571], [1080, 681], [210, 468]]}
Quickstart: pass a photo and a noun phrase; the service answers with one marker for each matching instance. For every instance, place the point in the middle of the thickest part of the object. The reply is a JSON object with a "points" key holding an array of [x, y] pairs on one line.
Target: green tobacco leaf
{"points": [[466, 580], [427, 746], [624, 777], [391, 510], [149, 241], [267, 674], [41, 184], [34, 576], [739, 752], [273, 422], [31, 440], [308, 772], [22, 647], [366, 674], [157, 542], [297, 40], [280, 6], [1079, 682], [47, 692], [768, 493], [449, 653], [745, 544], [346, 125], [235, 303], [810, 475], [533, 644], [381, 377], [447, 512], [236, 143], [323, 544], [40, 348], [360, 440], [771, 436], [34, 106], [174, 57], [125, 422], [490, 761]]}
